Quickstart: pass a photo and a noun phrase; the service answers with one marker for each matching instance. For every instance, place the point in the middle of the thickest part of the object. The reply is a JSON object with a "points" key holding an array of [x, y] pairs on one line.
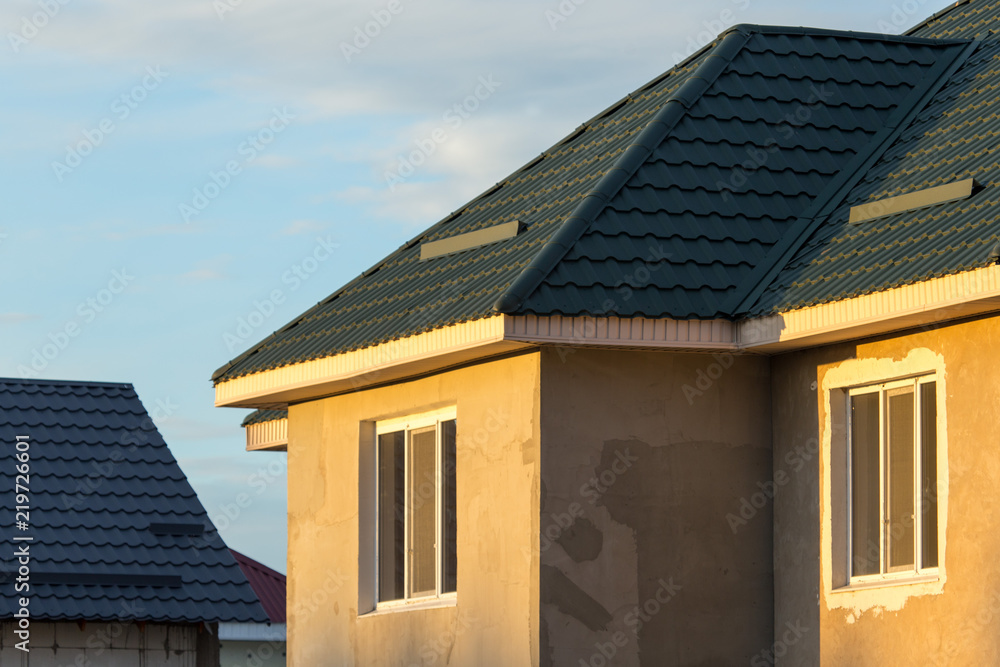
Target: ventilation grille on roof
{"points": [[480, 237], [913, 200]]}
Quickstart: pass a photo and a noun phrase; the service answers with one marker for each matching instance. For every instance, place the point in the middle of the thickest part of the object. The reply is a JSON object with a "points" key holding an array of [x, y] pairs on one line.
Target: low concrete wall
{"points": [[656, 529], [116, 644]]}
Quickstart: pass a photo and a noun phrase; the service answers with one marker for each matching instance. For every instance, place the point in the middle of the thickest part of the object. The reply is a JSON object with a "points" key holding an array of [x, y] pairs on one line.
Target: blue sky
{"points": [[182, 178]]}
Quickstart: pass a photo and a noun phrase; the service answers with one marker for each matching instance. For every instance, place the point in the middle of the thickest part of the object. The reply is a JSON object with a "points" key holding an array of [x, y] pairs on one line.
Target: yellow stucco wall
{"points": [[956, 622], [495, 620]]}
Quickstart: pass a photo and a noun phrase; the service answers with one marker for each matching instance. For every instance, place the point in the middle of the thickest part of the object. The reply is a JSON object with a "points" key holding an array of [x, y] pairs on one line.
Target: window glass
{"points": [[893, 478], [449, 520], [865, 504], [392, 515], [901, 525], [416, 537], [423, 508], [928, 474]]}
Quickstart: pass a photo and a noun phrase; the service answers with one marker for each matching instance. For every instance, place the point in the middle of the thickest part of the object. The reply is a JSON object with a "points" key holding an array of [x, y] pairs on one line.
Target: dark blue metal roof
{"points": [[117, 530]]}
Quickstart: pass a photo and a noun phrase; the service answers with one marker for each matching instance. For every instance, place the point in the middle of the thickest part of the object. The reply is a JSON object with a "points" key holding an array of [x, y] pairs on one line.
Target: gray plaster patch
{"points": [[582, 540], [559, 590]]}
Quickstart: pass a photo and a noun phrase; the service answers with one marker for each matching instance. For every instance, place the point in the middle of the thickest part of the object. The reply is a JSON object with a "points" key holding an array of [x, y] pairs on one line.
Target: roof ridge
{"points": [[65, 383], [573, 227], [751, 28], [833, 195]]}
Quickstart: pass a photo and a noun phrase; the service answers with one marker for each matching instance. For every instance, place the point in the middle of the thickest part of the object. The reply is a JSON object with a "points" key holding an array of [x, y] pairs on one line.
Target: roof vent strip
{"points": [[914, 200], [480, 237]]}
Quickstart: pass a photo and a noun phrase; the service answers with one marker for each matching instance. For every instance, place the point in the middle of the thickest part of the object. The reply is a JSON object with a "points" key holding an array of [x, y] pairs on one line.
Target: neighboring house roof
{"points": [[268, 584], [118, 532], [716, 191], [262, 416]]}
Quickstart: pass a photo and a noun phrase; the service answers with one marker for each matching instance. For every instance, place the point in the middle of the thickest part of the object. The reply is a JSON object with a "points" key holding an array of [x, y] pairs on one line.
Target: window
{"points": [[416, 528], [893, 480]]}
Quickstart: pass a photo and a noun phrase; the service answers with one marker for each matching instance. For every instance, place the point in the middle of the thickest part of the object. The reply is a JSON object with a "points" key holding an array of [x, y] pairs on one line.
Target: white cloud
{"points": [[270, 161], [302, 227], [201, 275], [17, 318]]}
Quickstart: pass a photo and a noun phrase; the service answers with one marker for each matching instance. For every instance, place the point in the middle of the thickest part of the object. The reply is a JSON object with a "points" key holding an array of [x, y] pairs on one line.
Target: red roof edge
{"points": [[268, 584]]}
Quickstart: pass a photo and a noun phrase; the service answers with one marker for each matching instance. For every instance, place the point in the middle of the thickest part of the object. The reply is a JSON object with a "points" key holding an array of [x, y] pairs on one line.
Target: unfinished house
{"points": [[708, 382]]}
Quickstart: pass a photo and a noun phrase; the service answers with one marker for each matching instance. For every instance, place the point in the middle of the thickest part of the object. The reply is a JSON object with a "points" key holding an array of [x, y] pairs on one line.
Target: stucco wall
{"points": [[655, 534], [495, 621], [957, 621]]}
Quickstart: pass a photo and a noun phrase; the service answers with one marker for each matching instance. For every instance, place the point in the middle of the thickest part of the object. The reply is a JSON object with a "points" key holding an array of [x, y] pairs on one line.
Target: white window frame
{"points": [[885, 575], [407, 424]]}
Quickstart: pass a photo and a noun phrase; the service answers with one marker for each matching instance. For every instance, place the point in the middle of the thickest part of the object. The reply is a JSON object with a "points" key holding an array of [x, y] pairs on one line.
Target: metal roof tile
{"points": [[97, 498]]}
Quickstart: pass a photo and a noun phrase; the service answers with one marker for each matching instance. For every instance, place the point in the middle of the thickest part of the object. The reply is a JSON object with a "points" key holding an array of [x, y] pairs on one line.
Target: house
{"points": [[253, 643], [708, 382], [109, 557]]}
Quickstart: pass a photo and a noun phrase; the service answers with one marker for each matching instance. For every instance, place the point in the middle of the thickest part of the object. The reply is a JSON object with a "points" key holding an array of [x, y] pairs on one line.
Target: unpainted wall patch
{"points": [[570, 599]]}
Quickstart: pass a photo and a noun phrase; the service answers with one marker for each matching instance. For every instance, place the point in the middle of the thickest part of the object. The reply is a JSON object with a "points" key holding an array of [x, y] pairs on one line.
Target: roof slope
{"points": [[966, 19], [101, 479], [401, 295], [955, 137], [268, 584], [788, 117], [665, 205]]}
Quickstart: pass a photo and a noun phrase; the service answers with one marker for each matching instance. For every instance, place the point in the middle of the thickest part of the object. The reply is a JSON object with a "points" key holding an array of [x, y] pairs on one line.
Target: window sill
{"points": [[442, 602], [888, 583]]}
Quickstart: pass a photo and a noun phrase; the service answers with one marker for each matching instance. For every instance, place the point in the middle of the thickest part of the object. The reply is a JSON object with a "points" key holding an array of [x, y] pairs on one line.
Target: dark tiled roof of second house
{"points": [[676, 196], [117, 530]]}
